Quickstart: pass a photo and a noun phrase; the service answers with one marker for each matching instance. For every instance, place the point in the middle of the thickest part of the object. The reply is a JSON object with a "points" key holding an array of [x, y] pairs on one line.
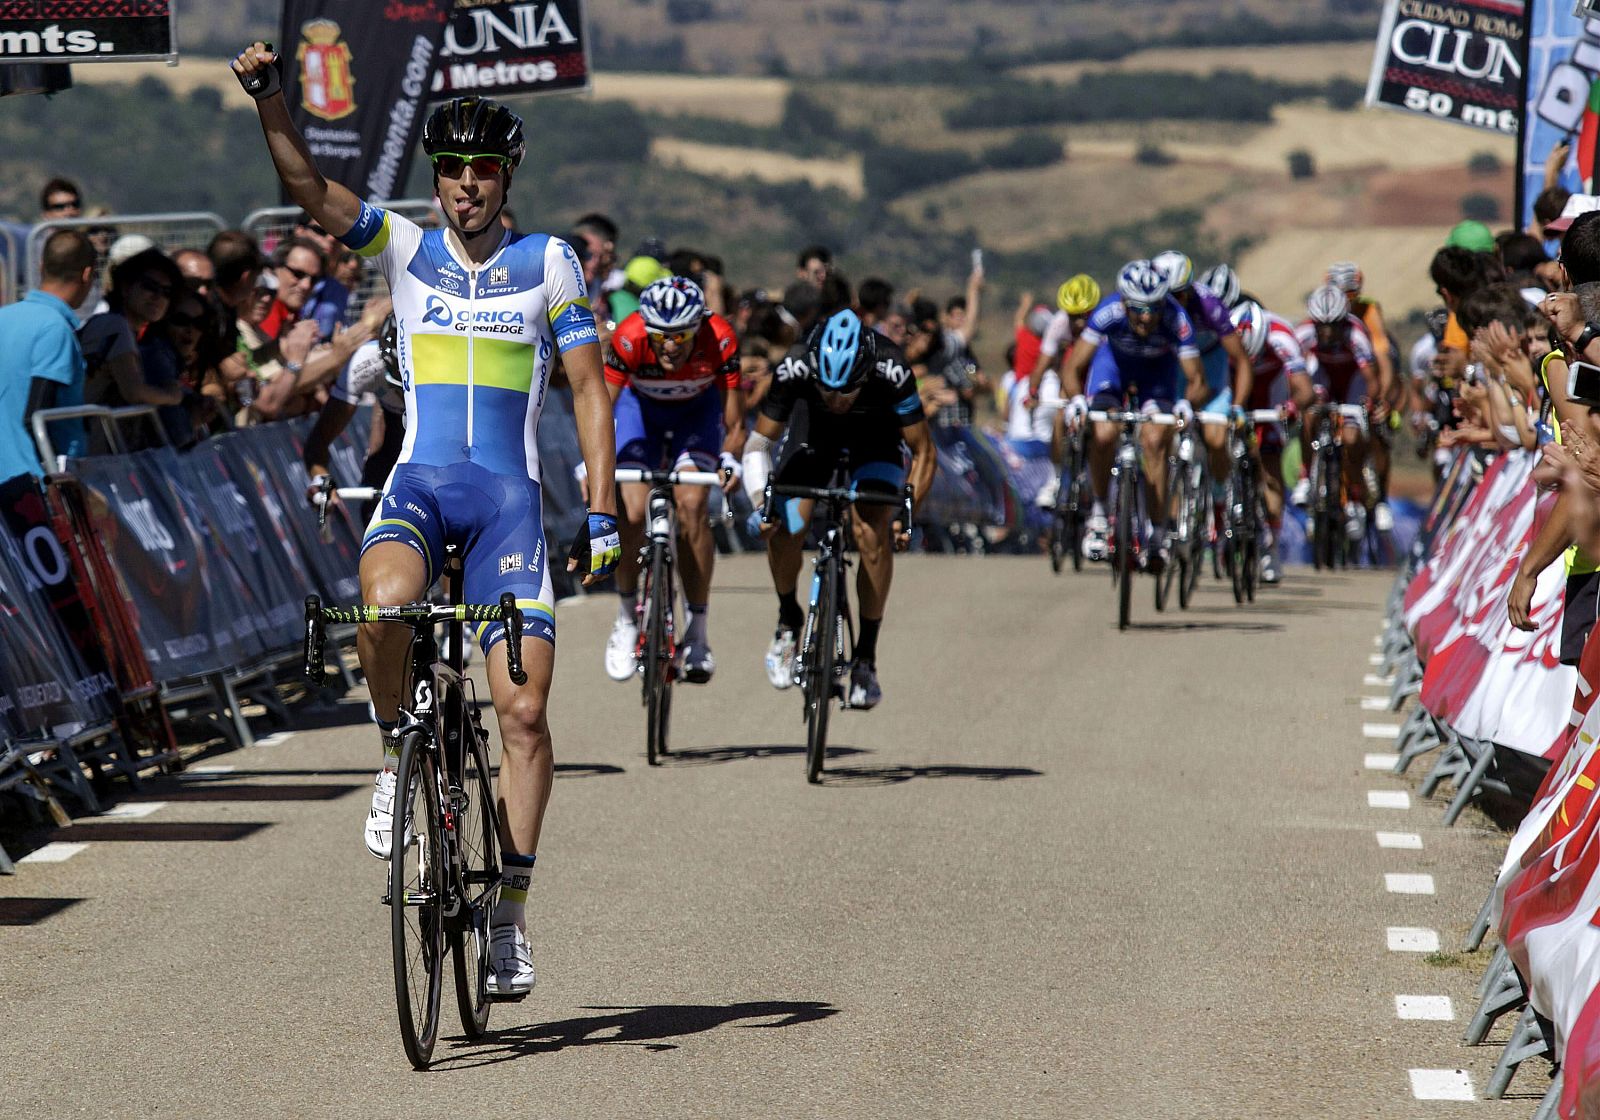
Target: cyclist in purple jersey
{"points": [[1221, 353]]}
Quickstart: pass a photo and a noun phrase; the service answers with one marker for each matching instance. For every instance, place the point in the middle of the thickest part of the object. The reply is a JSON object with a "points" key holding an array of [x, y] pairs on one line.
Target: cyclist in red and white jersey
{"points": [[672, 368], [1340, 360], [1281, 379]]}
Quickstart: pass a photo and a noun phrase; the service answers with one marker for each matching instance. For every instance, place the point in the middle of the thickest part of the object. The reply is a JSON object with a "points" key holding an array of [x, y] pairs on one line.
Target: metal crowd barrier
{"points": [[272, 224], [170, 232], [108, 419]]}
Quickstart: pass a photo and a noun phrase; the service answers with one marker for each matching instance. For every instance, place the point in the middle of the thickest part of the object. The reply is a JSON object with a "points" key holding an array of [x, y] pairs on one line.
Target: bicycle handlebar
{"points": [[831, 494], [669, 478], [418, 616], [1254, 415], [1165, 419], [325, 490]]}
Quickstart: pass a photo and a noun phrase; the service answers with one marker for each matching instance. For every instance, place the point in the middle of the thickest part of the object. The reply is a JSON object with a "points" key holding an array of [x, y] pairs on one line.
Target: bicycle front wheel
{"points": [[480, 884], [417, 888], [658, 655], [819, 691], [1126, 512]]}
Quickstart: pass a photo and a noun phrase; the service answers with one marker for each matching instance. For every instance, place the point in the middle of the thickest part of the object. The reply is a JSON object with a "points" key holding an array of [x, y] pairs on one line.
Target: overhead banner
{"points": [[1453, 60], [75, 31], [356, 75], [1563, 61], [496, 49]]}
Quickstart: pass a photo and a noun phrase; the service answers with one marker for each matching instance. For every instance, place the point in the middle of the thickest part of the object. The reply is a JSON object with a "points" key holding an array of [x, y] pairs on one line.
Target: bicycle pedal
{"points": [[514, 997]]}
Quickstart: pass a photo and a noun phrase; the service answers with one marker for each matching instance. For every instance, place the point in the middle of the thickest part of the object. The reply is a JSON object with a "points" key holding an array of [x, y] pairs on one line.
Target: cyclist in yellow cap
{"points": [[1074, 300]]}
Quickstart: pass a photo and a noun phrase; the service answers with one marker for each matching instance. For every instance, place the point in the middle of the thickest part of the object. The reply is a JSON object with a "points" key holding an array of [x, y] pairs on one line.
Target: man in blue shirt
{"points": [[41, 363]]}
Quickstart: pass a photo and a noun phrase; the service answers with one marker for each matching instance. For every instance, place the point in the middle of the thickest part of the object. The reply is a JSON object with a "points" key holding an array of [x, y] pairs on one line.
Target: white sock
{"points": [[625, 608], [1099, 509], [511, 907]]}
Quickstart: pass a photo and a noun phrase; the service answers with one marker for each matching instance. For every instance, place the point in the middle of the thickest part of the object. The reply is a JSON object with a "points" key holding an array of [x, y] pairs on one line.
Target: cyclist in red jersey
{"points": [[672, 368], [1340, 360], [1280, 379]]}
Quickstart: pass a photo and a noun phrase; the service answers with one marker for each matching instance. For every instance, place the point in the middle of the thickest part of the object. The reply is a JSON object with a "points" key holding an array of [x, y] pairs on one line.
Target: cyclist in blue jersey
{"points": [[1228, 371], [482, 316], [1137, 343]]}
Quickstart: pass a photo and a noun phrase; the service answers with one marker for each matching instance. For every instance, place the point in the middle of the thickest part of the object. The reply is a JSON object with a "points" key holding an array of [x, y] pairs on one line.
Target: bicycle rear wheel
{"points": [[1126, 512], [819, 691], [1233, 539], [417, 887], [480, 884], [658, 654]]}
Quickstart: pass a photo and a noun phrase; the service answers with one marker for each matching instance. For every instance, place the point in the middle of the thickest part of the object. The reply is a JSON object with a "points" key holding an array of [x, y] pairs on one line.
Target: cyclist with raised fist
{"points": [[482, 316]]}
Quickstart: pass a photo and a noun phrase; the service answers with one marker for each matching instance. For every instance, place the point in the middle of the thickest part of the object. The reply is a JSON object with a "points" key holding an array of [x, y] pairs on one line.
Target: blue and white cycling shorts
{"points": [[682, 433], [498, 522], [1148, 379]]}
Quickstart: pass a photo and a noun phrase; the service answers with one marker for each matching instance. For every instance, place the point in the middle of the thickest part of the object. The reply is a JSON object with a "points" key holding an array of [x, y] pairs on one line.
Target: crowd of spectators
{"points": [[241, 333]]}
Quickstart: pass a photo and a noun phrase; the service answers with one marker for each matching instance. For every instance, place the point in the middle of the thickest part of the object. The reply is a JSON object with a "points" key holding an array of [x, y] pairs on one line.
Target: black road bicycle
{"points": [[1074, 500], [827, 647], [1240, 543], [1188, 495], [444, 862], [1129, 504], [658, 637], [1325, 515]]}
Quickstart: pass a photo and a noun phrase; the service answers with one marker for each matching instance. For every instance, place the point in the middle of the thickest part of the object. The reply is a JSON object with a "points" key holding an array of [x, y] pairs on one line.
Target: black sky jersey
{"points": [[890, 390]]}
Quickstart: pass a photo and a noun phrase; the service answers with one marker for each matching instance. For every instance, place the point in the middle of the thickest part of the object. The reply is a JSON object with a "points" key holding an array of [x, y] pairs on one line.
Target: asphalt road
{"points": [[1062, 871]]}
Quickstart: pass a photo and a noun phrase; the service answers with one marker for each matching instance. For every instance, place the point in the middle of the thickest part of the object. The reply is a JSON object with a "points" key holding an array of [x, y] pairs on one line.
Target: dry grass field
{"points": [[757, 101], [726, 162], [1284, 266], [1296, 62]]}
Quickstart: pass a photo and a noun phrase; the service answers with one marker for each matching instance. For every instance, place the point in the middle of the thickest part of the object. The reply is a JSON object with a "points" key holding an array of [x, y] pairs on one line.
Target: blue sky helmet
{"points": [[840, 357]]}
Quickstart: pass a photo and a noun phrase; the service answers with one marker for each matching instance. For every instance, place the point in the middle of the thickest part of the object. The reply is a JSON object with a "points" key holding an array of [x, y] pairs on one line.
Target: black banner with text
{"points": [[1454, 60], [497, 48]]}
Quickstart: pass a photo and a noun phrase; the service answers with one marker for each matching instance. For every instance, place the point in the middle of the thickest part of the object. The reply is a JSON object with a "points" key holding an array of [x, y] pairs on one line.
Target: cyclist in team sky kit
{"points": [[846, 398], [1138, 342], [482, 317], [672, 368]]}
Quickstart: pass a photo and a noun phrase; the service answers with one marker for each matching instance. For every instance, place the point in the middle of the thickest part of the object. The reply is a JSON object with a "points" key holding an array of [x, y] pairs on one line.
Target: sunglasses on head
{"points": [[452, 164], [677, 338]]}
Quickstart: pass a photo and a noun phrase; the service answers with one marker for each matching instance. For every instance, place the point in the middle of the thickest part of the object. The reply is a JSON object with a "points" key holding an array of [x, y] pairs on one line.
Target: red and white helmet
{"points": [[1250, 320], [1328, 305], [1346, 276]]}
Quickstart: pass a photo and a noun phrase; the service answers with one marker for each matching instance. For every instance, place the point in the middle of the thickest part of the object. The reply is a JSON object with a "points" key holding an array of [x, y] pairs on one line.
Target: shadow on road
{"points": [[1238, 627], [894, 775], [711, 755], [646, 1027]]}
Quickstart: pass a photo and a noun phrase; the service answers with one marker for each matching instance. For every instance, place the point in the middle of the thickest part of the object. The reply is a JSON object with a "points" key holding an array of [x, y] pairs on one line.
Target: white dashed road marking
{"points": [[132, 810], [56, 852], [1408, 884], [1372, 680], [1380, 761], [1407, 840], [205, 773], [1374, 703], [1374, 659], [1381, 730], [1436, 1008], [1412, 939], [1442, 1085], [1388, 799]]}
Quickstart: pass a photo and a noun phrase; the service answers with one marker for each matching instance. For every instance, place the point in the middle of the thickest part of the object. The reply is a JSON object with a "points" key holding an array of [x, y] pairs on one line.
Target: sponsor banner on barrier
{"points": [[73, 31], [1452, 60], [497, 48], [44, 686], [357, 78]]}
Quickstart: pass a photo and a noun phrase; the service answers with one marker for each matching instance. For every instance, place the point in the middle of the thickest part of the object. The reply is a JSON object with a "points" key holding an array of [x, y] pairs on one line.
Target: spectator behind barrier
{"points": [[874, 297], [170, 351], [41, 361], [298, 265], [813, 265], [142, 288], [329, 300]]}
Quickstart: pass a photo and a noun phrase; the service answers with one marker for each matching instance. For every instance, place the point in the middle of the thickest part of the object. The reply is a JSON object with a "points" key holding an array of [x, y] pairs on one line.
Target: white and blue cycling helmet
{"points": [[672, 305], [841, 356], [1140, 284], [1250, 320], [1176, 268], [1223, 283]]}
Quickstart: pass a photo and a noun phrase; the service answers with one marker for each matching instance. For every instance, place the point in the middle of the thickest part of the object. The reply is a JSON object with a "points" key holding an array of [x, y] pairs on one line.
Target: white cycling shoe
{"points": [[780, 659], [511, 974], [1383, 517], [622, 648], [1269, 568], [1046, 498], [1301, 494], [698, 664], [1094, 537], [1355, 520], [379, 831]]}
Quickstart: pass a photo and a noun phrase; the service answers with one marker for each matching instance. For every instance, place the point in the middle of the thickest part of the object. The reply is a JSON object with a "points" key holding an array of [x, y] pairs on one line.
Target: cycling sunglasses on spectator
{"points": [[452, 164], [677, 338], [301, 274], [62, 204]]}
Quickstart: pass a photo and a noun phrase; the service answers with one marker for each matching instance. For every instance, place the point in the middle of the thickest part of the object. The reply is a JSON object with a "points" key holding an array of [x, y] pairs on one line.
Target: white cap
{"points": [[128, 245], [1577, 205]]}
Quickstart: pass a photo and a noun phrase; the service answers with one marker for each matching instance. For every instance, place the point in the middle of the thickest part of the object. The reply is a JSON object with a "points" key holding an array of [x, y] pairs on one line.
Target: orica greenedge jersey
{"points": [[475, 345]]}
